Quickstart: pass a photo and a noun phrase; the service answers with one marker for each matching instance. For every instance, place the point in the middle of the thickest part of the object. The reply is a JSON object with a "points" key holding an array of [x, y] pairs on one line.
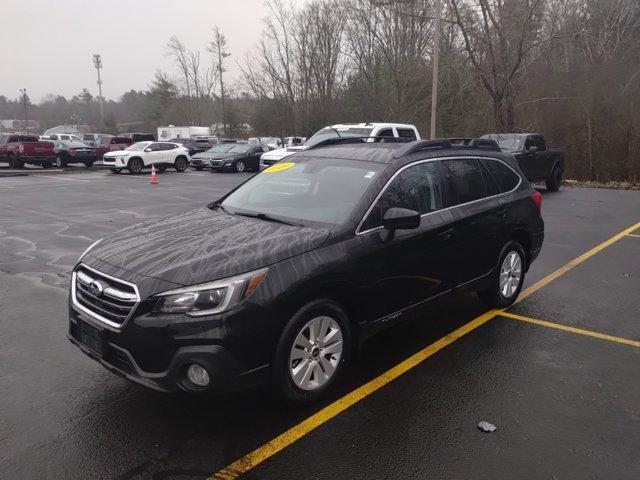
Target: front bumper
{"points": [[38, 160], [116, 162], [225, 370], [198, 163]]}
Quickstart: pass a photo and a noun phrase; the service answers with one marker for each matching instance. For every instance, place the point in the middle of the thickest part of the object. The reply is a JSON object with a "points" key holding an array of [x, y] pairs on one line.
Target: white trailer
{"points": [[171, 131]]}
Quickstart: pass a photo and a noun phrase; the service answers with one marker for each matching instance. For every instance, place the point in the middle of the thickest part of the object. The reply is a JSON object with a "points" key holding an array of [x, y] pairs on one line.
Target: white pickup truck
{"points": [[375, 132]]}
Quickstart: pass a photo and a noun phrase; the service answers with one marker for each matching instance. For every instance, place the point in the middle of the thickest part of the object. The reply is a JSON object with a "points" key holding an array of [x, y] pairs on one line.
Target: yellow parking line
{"points": [[566, 328], [298, 431]]}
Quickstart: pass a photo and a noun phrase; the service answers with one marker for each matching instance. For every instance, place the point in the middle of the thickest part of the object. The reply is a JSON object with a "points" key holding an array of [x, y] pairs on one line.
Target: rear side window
{"points": [[463, 181], [540, 143], [505, 178], [387, 132], [407, 133], [417, 188]]}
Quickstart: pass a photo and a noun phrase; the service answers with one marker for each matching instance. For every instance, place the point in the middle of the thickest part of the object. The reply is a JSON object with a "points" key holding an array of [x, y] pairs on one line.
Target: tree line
{"points": [[569, 69]]}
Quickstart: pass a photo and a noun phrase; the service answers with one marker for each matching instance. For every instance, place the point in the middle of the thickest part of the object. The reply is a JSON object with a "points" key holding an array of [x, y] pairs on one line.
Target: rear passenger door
{"points": [[476, 222]]}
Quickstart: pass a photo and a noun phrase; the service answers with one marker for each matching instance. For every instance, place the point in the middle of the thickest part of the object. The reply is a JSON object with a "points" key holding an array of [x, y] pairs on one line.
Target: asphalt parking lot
{"points": [[557, 373]]}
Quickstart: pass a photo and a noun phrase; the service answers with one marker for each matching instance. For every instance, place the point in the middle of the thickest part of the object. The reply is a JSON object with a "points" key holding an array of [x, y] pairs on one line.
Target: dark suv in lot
{"points": [[282, 278]]}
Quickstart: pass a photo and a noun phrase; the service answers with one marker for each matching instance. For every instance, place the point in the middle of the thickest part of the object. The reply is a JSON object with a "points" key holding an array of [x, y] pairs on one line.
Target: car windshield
{"points": [[138, 146], [309, 191], [240, 149], [220, 148], [507, 141], [337, 132]]}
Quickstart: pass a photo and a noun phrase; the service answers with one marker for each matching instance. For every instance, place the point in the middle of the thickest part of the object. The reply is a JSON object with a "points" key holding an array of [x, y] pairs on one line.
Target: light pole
{"points": [[436, 55], [23, 91], [97, 62]]}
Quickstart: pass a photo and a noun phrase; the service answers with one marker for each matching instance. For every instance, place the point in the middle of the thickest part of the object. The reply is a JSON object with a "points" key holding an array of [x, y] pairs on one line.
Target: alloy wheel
{"points": [[240, 166], [510, 274], [316, 353]]}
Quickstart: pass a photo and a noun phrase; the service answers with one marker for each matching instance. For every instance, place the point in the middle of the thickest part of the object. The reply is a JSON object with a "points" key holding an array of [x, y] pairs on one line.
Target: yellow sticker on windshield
{"points": [[278, 167]]}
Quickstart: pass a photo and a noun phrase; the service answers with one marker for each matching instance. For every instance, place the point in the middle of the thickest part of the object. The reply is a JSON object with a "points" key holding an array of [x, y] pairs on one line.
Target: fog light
{"points": [[198, 375]]}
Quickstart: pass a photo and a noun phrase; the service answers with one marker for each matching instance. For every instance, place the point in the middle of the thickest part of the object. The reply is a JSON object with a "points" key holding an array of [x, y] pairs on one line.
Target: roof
{"points": [[393, 152], [372, 125]]}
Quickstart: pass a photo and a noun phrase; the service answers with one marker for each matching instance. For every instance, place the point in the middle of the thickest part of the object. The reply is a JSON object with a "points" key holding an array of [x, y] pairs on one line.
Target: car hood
{"points": [[203, 245], [114, 153]]}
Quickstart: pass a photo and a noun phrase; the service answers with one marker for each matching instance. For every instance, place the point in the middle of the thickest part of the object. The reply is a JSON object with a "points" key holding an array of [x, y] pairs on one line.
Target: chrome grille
{"points": [[103, 297]]}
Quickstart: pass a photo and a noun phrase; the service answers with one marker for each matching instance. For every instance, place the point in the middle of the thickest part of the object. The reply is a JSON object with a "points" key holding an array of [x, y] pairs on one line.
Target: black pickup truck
{"points": [[536, 161]]}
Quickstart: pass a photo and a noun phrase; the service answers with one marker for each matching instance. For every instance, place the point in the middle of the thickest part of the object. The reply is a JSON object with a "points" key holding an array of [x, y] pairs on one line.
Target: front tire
{"points": [[554, 182], [508, 278], [135, 165], [240, 167], [60, 163], [181, 164], [312, 352]]}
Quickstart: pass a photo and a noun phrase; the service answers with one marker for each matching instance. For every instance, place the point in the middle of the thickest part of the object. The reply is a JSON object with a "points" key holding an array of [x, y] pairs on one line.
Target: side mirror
{"points": [[401, 219], [533, 148]]}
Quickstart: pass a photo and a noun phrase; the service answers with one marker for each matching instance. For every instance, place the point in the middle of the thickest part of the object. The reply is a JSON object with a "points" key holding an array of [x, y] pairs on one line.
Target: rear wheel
{"points": [[312, 352], [240, 167], [15, 163], [554, 182], [60, 163], [181, 164], [508, 278], [135, 165]]}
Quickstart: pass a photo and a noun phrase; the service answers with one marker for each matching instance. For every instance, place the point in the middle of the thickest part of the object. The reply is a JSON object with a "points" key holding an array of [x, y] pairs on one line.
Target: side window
{"points": [[529, 142], [418, 188], [503, 175], [407, 133], [387, 132], [154, 147], [540, 143], [13, 139], [463, 181]]}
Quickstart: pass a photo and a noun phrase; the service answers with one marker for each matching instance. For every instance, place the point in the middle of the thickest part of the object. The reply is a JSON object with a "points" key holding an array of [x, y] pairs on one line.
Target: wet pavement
{"points": [[565, 403]]}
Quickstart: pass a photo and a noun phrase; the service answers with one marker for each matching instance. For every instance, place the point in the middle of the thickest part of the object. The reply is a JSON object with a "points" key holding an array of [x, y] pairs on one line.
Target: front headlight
{"points": [[209, 298]]}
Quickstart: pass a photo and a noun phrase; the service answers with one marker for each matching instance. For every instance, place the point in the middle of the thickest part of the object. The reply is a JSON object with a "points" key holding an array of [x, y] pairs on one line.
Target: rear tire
{"points": [[135, 166], [15, 163], [181, 164], [508, 278], [305, 367], [60, 163], [554, 182], [240, 167]]}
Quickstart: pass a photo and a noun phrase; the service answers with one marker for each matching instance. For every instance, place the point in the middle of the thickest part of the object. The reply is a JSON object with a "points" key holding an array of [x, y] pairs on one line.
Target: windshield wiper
{"points": [[268, 218]]}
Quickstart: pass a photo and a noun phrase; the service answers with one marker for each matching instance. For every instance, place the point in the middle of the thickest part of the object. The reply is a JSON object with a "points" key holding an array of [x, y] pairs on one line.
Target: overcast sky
{"points": [[47, 46]]}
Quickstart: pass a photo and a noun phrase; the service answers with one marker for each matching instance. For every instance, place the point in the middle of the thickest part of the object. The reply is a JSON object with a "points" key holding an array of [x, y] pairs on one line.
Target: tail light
{"points": [[536, 196]]}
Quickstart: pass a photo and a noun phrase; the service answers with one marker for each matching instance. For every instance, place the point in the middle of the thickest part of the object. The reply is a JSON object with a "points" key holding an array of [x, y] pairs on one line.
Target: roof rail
{"points": [[444, 143]]}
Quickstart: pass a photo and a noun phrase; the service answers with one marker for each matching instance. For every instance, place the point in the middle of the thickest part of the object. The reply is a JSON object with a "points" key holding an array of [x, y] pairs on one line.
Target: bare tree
{"points": [[218, 48]]}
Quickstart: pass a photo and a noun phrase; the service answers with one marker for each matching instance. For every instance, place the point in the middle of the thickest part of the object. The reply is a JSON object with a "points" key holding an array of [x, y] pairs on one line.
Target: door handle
{"points": [[446, 234], [502, 213]]}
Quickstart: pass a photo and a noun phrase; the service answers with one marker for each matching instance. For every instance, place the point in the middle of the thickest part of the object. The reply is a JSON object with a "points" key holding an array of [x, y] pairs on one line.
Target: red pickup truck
{"points": [[21, 149], [110, 144]]}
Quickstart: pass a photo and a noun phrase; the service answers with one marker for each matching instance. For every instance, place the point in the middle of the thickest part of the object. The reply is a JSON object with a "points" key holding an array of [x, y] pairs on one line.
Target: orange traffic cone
{"points": [[154, 176]]}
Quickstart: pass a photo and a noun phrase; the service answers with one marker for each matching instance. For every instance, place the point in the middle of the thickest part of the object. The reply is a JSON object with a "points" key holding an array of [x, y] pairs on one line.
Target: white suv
{"points": [[377, 130], [144, 154]]}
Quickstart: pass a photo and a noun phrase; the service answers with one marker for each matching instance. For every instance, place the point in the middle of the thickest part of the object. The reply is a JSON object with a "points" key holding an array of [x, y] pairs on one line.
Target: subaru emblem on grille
{"points": [[96, 288]]}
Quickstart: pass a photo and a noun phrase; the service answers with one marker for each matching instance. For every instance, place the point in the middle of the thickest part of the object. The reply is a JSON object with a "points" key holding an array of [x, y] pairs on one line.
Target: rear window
{"points": [[503, 177], [408, 133], [464, 181]]}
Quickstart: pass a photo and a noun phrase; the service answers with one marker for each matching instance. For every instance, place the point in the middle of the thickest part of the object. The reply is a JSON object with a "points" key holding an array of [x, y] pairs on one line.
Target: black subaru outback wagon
{"points": [[280, 280]]}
